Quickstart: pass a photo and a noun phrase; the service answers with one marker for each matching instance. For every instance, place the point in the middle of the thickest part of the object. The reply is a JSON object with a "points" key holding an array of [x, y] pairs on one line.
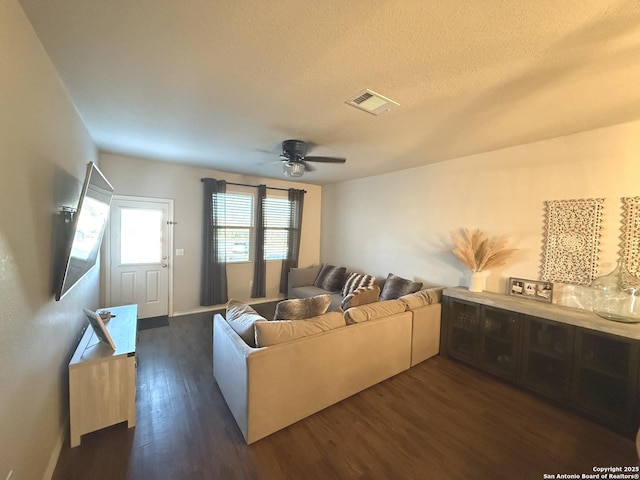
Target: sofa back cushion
{"points": [[304, 276], [355, 281], [361, 296], [280, 331], [395, 287], [422, 298], [302, 308], [371, 311], [330, 278], [241, 317]]}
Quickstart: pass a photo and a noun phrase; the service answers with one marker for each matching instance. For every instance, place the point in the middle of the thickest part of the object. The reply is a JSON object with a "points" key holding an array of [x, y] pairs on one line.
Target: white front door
{"points": [[139, 250]]}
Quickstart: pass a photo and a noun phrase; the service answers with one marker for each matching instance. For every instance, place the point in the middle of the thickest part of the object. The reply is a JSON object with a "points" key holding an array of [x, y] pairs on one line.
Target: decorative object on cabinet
{"points": [[616, 295], [97, 323], [630, 247], [572, 240], [534, 289], [478, 253], [477, 281]]}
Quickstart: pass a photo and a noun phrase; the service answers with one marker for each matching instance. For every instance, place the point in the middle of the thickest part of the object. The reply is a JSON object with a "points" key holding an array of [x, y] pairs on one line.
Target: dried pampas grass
{"points": [[477, 252]]}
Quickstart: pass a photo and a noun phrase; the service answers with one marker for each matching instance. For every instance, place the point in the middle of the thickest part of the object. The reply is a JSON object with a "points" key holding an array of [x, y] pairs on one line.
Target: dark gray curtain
{"points": [[213, 287], [259, 288], [296, 198]]}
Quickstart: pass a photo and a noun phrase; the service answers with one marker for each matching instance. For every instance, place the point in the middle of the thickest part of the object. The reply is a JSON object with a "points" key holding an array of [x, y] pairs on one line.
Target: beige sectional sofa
{"points": [[270, 388]]}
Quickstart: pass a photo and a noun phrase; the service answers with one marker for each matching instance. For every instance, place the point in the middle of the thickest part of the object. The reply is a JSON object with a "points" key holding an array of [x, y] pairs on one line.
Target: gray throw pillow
{"points": [[330, 278], [302, 308], [395, 287]]}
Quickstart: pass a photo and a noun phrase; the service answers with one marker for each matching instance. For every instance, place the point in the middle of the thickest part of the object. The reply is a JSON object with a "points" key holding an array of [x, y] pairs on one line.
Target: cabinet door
{"points": [[546, 357], [604, 381], [463, 330], [499, 338]]}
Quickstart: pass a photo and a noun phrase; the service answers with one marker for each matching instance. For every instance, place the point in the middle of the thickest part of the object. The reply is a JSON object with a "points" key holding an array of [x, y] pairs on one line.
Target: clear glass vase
{"points": [[616, 295]]}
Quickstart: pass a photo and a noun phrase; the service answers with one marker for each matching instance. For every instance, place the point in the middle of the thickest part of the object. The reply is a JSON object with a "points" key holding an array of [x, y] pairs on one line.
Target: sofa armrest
{"points": [[302, 277], [230, 355]]}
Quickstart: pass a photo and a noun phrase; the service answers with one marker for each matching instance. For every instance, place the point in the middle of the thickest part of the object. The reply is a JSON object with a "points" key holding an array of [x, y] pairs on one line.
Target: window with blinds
{"points": [[234, 213], [276, 213]]}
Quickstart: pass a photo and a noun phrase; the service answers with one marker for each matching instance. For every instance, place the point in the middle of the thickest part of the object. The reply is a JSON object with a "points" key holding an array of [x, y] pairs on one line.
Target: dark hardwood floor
{"points": [[439, 420]]}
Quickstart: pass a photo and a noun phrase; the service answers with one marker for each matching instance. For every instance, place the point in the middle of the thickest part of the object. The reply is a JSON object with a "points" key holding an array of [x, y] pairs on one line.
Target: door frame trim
{"points": [[106, 257]]}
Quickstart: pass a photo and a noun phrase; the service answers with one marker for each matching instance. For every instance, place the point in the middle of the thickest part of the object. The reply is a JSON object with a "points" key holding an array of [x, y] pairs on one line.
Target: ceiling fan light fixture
{"points": [[293, 169]]}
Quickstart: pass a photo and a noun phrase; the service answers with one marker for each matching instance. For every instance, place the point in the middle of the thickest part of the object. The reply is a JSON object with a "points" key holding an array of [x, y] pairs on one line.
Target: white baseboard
{"points": [[55, 453]]}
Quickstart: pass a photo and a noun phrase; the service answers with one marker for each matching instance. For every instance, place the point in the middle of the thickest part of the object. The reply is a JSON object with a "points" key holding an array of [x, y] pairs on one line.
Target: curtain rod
{"points": [[256, 186]]}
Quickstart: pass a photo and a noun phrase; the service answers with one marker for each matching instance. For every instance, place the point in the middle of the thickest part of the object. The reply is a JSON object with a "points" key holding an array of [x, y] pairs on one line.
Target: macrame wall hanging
{"points": [[571, 240], [630, 236]]}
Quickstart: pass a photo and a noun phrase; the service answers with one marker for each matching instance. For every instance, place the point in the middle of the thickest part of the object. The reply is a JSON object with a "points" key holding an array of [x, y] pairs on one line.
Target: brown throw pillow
{"points": [[361, 296], [330, 278], [395, 287], [302, 308]]}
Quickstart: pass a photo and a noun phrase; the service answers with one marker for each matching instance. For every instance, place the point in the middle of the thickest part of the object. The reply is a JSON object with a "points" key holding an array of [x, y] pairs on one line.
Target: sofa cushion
{"points": [[355, 281], [330, 278], [301, 308], [280, 331], [304, 275], [422, 298], [308, 291], [371, 311], [361, 296], [395, 287], [241, 317]]}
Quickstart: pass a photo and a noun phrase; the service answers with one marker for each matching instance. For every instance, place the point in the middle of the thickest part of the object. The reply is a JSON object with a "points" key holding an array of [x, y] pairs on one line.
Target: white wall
{"points": [[147, 178], [44, 149], [400, 222]]}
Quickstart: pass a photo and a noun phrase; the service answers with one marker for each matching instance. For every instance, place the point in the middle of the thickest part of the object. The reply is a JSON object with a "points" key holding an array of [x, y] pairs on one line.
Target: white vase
{"points": [[477, 282]]}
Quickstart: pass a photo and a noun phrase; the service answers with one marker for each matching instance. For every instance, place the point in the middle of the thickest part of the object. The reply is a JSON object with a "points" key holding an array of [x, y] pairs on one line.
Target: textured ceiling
{"points": [[221, 83]]}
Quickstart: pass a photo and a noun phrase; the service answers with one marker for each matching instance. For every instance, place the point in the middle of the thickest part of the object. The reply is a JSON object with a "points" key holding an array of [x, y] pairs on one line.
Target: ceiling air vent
{"points": [[372, 102]]}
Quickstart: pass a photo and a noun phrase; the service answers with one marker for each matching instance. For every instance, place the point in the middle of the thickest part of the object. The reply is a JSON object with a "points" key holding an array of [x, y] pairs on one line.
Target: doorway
{"points": [[139, 262]]}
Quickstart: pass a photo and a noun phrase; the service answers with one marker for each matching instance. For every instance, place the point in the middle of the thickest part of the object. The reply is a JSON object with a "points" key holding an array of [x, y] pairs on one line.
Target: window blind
{"points": [[235, 222], [277, 212]]}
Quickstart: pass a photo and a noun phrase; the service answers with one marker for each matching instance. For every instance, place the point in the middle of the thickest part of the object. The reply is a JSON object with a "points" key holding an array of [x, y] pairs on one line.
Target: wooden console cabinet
{"points": [[102, 382], [571, 356]]}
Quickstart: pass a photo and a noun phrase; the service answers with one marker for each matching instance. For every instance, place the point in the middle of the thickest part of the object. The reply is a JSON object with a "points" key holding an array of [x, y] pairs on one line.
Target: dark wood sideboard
{"points": [[570, 356]]}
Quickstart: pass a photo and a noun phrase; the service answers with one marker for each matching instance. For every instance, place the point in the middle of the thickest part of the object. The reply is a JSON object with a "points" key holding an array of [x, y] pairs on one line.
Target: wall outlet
{"points": [[179, 252], [250, 283]]}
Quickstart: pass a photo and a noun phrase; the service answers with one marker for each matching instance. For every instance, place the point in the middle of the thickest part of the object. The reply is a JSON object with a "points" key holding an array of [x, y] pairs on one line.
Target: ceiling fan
{"points": [[294, 158]]}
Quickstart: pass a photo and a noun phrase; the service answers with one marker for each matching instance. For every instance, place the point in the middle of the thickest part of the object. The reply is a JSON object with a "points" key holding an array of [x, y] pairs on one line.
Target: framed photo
{"points": [[534, 289], [98, 327]]}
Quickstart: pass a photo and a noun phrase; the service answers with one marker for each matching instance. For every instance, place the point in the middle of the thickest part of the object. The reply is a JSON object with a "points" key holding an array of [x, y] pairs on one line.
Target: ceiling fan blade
{"points": [[307, 167], [325, 159]]}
